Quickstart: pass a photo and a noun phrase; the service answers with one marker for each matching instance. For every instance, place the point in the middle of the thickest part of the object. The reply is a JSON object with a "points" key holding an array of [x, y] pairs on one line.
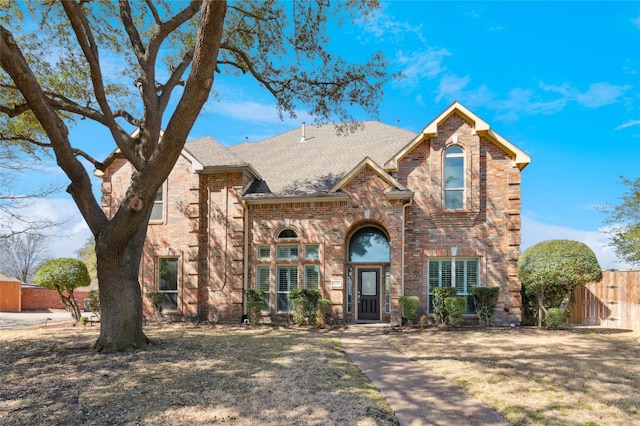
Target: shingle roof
{"points": [[211, 153], [5, 278], [291, 167]]}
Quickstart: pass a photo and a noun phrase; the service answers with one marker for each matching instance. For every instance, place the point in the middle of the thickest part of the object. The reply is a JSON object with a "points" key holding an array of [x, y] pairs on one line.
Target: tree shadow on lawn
{"points": [[196, 375], [537, 376]]}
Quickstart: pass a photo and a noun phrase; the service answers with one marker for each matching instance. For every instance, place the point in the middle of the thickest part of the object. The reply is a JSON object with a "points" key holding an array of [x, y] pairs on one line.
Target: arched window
{"points": [[369, 245], [454, 178], [287, 233]]}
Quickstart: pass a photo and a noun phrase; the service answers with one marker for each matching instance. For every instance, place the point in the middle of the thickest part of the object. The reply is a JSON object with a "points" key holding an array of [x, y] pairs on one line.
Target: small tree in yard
{"points": [[563, 263], [64, 275]]}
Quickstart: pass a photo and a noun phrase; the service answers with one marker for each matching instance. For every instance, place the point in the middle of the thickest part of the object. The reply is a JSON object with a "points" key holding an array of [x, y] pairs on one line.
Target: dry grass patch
{"points": [[538, 377], [196, 375]]}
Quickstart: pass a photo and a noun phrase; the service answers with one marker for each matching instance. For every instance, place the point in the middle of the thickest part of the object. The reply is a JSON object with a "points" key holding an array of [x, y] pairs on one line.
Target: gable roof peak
{"points": [[480, 127]]}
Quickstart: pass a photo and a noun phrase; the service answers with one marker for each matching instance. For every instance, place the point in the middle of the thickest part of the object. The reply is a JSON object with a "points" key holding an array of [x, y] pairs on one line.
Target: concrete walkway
{"points": [[10, 320], [416, 396]]}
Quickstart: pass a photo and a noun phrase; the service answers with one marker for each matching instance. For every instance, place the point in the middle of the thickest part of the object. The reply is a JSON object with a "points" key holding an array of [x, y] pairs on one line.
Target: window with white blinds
{"points": [[287, 279], [461, 273], [263, 278], [311, 276], [287, 252]]}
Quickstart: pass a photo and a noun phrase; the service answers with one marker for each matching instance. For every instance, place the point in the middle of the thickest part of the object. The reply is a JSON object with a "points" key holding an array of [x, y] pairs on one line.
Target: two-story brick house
{"points": [[365, 217]]}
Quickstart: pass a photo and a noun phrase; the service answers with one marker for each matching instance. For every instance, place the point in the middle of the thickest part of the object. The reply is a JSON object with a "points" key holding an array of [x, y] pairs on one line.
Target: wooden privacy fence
{"points": [[613, 302]]}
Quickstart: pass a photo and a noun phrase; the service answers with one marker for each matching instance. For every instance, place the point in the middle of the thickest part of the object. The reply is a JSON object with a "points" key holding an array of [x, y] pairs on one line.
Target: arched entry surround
{"points": [[368, 272]]}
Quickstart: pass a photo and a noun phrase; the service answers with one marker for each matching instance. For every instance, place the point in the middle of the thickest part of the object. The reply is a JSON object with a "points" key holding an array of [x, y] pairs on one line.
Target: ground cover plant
{"points": [[535, 376], [197, 374]]}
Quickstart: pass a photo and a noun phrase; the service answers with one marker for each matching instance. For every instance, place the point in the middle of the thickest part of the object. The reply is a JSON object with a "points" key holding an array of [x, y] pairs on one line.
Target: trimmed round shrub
{"points": [[409, 307]]}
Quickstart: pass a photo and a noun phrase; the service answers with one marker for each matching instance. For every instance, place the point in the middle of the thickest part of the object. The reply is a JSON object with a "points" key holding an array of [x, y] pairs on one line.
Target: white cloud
{"points": [[70, 235], [383, 27], [636, 22], [254, 112], [534, 232], [601, 94], [416, 66], [451, 84], [628, 124], [520, 101]]}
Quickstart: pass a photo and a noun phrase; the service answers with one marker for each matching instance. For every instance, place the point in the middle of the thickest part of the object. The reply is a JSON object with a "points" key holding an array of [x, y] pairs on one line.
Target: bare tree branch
{"points": [[87, 43]]}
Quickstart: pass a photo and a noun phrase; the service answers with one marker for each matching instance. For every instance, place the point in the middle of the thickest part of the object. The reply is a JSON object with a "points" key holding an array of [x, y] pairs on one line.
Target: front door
{"points": [[369, 294]]}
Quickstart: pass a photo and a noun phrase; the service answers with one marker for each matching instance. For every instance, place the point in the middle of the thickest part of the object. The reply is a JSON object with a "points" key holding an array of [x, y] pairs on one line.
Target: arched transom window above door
{"points": [[369, 245]]}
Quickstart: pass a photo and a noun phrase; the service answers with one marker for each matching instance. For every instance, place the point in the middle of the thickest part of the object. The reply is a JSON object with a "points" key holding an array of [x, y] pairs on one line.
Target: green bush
{"points": [[255, 304], [409, 307], [157, 300], [254, 311], [439, 296], [324, 309], [455, 307], [94, 301], [555, 318], [485, 300], [304, 303]]}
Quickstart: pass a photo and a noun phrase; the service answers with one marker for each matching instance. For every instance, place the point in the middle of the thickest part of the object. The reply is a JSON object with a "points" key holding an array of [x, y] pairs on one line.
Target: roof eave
{"points": [[284, 199]]}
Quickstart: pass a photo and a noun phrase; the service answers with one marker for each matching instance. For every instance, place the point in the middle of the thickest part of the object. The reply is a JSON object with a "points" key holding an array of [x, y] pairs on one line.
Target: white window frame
{"points": [[451, 190], [289, 250], [168, 293], [261, 284], [259, 252], [289, 286], [159, 205], [464, 289], [316, 269]]}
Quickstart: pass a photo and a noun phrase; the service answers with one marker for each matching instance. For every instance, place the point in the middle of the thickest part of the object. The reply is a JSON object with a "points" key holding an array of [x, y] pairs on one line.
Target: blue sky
{"points": [[560, 80]]}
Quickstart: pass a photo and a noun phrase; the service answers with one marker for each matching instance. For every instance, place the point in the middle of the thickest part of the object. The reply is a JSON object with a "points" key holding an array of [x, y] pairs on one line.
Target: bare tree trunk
{"points": [[541, 309], [120, 297], [70, 302]]}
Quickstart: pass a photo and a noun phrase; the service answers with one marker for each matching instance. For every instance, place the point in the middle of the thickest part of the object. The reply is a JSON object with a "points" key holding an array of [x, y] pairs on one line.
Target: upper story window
{"points": [[454, 178], [287, 233], [157, 211]]}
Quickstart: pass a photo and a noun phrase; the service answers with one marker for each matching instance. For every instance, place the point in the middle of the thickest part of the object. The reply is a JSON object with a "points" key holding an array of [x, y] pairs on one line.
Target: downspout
{"points": [[245, 278], [404, 225]]}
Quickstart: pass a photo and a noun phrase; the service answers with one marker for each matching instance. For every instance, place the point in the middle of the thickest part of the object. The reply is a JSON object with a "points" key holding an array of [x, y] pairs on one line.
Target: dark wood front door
{"points": [[369, 294]]}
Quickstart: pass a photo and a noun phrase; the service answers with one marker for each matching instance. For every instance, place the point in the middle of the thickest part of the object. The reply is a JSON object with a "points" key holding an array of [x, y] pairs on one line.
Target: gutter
{"points": [[245, 278], [404, 225]]}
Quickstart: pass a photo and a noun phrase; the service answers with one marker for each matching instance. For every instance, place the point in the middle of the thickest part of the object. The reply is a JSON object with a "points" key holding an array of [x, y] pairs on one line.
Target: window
{"points": [[312, 251], [369, 245], [461, 273], [287, 280], [263, 278], [387, 290], [454, 178], [287, 252], [311, 276], [263, 252], [287, 233], [157, 211], [168, 282], [349, 290]]}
